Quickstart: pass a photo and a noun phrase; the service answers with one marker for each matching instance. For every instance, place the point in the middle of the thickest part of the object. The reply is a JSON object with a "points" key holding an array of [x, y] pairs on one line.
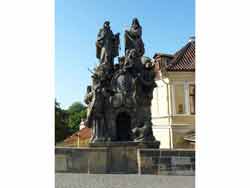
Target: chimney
{"points": [[191, 39]]}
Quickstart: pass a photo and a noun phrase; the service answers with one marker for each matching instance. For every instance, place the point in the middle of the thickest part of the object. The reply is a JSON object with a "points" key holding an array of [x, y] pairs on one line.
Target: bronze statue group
{"points": [[119, 99]]}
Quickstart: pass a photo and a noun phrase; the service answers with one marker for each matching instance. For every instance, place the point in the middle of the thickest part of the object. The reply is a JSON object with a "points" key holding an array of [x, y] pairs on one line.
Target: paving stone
{"points": [[69, 180]]}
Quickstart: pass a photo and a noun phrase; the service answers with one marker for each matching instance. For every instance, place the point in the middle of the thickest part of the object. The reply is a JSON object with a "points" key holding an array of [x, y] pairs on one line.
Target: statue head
{"points": [[147, 62], [132, 54], [135, 23], [106, 24], [148, 65]]}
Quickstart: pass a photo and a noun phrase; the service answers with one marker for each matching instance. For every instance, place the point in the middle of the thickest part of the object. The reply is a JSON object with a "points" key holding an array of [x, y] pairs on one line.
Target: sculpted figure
{"points": [[88, 99], [147, 80], [119, 100], [130, 58], [95, 98], [133, 63], [107, 45], [144, 94], [133, 38]]}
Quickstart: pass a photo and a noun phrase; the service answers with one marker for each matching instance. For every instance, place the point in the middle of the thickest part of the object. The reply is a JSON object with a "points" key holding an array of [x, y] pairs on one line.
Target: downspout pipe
{"points": [[169, 114]]}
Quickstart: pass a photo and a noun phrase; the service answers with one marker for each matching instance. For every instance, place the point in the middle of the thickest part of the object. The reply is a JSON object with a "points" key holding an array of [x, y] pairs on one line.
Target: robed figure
{"points": [[133, 38], [107, 44], [95, 101], [144, 94]]}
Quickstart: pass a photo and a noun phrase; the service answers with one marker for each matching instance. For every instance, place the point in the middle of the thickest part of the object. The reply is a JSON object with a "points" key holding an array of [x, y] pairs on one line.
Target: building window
{"points": [[192, 98], [184, 98], [179, 97]]}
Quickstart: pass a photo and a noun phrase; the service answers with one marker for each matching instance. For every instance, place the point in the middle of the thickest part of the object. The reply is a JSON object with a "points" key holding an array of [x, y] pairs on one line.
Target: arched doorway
{"points": [[123, 127]]}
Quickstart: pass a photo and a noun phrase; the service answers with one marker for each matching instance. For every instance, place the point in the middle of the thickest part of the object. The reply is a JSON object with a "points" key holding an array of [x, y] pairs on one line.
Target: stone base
{"points": [[154, 144], [167, 162], [81, 160], [122, 157]]}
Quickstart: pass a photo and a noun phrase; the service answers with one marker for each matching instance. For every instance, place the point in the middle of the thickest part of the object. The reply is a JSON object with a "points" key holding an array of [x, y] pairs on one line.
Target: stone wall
{"points": [[166, 162], [81, 160], [114, 159], [124, 160]]}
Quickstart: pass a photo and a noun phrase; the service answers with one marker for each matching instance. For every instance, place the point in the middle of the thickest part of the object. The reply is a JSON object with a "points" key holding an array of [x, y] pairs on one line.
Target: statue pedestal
{"points": [[123, 157], [151, 144]]}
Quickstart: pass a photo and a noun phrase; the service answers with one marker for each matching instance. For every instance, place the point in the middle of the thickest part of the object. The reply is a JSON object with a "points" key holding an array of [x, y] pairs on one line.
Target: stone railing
{"points": [[124, 160], [166, 162]]}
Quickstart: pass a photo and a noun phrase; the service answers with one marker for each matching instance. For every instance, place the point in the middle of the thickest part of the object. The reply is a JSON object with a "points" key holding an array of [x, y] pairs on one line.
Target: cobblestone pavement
{"points": [[68, 180]]}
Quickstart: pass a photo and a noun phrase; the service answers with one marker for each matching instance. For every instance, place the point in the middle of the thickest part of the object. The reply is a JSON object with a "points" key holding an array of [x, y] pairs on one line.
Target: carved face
{"points": [[148, 65], [132, 53], [106, 25], [135, 23]]}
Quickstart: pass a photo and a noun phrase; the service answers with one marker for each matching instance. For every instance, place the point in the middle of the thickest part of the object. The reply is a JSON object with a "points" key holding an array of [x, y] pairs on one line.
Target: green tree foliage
{"points": [[61, 122], [76, 112], [76, 107], [67, 121]]}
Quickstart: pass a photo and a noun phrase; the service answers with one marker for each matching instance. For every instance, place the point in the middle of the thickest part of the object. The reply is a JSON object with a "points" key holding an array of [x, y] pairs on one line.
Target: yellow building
{"points": [[173, 104]]}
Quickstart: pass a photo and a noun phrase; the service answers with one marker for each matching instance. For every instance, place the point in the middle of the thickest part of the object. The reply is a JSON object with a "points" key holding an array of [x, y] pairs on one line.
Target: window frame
{"points": [[193, 96], [186, 84]]}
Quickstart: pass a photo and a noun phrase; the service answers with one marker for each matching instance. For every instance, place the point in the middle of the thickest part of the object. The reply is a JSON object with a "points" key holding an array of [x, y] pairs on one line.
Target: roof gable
{"points": [[184, 59]]}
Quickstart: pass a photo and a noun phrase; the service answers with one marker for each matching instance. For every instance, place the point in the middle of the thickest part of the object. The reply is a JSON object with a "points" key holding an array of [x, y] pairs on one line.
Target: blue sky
{"points": [[166, 25]]}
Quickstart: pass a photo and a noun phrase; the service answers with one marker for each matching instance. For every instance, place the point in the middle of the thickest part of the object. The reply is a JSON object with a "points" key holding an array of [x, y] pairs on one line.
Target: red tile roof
{"points": [[162, 55], [184, 59], [84, 134]]}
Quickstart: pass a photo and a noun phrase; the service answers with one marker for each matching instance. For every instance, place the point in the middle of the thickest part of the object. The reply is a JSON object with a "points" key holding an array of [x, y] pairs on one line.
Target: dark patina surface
{"points": [[119, 99]]}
